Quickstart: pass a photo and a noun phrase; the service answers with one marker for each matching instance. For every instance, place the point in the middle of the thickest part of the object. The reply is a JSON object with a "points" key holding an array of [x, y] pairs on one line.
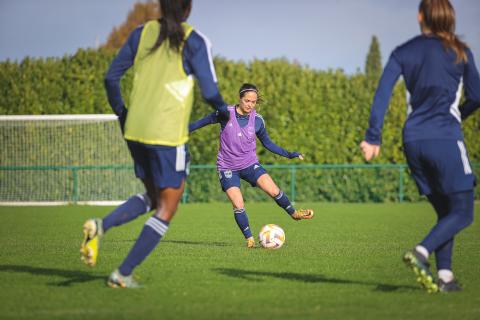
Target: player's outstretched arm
{"points": [[205, 121], [262, 135]]}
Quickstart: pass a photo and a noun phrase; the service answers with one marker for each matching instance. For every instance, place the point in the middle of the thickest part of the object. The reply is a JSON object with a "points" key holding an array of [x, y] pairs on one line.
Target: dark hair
{"points": [[246, 87], [439, 17], [173, 13]]}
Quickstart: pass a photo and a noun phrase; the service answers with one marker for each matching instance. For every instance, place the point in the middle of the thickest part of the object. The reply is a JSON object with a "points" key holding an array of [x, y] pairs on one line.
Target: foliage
{"points": [[322, 114], [140, 13], [373, 63]]}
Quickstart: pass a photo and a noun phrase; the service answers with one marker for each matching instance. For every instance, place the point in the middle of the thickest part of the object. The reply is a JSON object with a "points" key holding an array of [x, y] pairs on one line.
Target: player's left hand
{"points": [[369, 151], [295, 154]]}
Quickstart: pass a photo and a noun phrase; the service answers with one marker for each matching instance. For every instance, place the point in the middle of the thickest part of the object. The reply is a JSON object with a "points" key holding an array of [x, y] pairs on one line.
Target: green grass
{"points": [[344, 264]]}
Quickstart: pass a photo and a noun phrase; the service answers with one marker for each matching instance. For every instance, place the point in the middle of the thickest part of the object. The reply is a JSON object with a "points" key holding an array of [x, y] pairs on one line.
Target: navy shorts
{"points": [[440, 166], [166, 166], [231, 178]]}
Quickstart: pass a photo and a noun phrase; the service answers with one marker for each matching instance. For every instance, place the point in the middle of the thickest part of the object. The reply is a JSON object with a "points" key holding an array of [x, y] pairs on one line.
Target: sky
{"points": [[323, 34]]}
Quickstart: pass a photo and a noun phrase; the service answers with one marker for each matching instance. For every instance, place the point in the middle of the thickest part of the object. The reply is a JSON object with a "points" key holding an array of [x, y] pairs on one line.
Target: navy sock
{"points": [[152, 232], [459, 216], [443, 254], [242, 221], [282, 200], [127, 211]]}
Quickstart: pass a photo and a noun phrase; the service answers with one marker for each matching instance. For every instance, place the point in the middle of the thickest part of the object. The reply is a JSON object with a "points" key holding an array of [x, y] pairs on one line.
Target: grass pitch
{"points": [[343, 264]]}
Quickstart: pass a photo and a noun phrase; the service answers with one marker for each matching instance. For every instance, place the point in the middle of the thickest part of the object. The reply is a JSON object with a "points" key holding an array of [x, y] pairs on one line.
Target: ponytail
{"points": [[173, 12], [439, 18]]}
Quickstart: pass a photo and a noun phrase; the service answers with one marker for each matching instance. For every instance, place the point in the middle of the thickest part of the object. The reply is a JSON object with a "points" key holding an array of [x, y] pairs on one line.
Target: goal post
{"points": [[58, 159]]}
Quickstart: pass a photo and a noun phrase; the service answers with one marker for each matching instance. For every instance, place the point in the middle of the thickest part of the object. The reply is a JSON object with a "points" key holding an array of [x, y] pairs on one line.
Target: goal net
{"points": [[64, 159]]}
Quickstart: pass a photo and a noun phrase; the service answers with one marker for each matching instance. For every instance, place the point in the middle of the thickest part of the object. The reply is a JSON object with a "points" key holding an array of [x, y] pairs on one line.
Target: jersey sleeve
{"points": [[264, 138], [120, 64], [205, 121], [471, 81], [381, 100], [199, 59]]}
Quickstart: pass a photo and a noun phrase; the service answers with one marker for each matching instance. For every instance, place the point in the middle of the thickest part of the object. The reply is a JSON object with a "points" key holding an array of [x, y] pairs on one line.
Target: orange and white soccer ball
{"points": [[271, 236]]}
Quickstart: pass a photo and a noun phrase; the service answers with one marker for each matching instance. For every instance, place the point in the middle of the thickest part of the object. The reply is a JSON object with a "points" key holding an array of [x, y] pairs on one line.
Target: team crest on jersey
{"points": [[228, 174]]}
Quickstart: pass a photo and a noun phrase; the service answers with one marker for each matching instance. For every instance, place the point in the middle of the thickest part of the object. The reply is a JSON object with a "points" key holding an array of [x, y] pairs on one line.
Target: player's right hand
{"points": [[122, 118], [369, 151]]}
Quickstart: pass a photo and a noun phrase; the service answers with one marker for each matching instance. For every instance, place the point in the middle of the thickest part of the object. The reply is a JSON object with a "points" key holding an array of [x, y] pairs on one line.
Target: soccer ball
{"points": [[271, 236]]}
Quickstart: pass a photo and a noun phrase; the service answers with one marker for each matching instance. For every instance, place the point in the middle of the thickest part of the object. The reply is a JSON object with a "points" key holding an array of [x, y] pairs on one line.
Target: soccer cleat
{"points": [[302, 214], [116, 280], [420, 266], [250, 242], [92, 231], [451, 286]]}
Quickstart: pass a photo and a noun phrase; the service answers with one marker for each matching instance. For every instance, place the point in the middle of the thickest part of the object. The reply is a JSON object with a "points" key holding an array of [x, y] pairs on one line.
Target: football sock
{"points": [[152, 232], [242, 221], [422, 250], [459, 216], [127, 211], [445, 275], [443, 254], [282, 200]]}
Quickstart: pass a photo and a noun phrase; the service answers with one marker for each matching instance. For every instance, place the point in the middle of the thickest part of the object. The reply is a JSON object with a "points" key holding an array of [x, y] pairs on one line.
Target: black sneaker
{"points": [[420, 266], [451, 286]]}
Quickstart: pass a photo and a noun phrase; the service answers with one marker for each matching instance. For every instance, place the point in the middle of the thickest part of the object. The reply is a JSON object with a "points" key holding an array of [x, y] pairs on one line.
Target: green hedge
{"points": [[322, 114]]}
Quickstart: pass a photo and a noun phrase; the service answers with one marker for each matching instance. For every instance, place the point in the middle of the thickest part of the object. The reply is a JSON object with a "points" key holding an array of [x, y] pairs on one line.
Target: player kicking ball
{"points": [[237, 157]]}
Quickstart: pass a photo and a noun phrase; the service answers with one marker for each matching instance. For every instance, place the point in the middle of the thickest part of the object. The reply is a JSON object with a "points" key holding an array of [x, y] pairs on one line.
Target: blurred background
{"points": [[323, 34], [317, 64]]}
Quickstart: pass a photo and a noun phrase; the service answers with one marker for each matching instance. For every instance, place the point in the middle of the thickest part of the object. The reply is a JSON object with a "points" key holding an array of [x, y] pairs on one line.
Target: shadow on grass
{"points": [[71, 276], [308, 278], [187, 242], [199, 243]]}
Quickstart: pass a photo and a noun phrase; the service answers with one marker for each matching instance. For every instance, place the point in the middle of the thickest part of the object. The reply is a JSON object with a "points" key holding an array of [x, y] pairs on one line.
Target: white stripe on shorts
{"points": [[463, 154], [180, 161], [157, 226]]}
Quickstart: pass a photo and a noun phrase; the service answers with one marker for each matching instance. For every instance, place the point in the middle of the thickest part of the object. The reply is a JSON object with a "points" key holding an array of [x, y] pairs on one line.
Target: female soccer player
{"points": [[237, 157], [165, 54], [435, 66]]}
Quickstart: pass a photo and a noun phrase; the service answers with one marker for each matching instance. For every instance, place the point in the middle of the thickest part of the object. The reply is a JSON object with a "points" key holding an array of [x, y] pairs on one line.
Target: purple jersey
{"points": [[238, 146]]}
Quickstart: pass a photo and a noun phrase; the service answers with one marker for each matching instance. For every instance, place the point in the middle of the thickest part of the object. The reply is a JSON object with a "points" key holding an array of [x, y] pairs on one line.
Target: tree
{"points": [[141, 13], [373, 63]]}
